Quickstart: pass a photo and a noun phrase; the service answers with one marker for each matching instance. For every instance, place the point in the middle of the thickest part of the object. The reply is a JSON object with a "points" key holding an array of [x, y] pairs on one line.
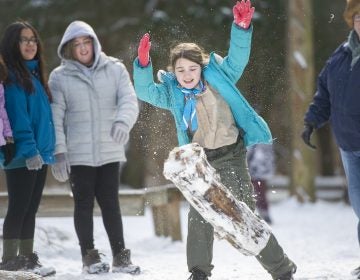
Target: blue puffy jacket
{"points": [[338, 99], [31, 121], [222, 75]]}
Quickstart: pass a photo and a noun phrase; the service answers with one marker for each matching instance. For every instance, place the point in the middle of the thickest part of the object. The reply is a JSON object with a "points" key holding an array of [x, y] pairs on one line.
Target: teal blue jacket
{"points": [[221, 74], [31, 121]]}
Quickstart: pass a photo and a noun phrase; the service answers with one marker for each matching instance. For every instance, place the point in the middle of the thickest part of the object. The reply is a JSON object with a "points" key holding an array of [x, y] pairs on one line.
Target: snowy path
{"points": [[320, 238]]}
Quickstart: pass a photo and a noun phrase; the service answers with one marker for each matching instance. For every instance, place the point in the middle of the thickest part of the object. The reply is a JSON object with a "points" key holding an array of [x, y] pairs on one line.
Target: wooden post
{"points": [[301, 88]]}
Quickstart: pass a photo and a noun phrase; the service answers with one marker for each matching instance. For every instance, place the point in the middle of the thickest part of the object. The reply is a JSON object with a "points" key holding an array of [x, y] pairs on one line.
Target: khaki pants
{"points": [[230, 163]]}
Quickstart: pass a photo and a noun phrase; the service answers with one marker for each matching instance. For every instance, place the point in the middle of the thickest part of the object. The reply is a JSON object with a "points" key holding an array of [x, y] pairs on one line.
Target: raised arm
{"points": [[240, 41], [146, 89]]}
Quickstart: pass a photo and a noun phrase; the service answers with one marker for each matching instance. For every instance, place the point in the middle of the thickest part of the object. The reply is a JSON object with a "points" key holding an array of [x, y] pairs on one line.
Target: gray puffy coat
{"points": [[87, 101]]}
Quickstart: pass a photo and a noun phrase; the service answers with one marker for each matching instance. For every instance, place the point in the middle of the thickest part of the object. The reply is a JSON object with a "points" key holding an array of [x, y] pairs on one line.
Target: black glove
{"points": [[306, 135], [9, 152]]}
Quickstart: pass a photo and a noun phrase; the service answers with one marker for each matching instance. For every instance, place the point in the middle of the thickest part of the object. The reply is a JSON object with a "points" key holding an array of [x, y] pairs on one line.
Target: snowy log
{"points": [[18, 275], [188, 168]]}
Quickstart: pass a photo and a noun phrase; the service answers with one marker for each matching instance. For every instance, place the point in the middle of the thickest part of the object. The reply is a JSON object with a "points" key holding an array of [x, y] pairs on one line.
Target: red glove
{"points": [[243, 13], [144, 49]]}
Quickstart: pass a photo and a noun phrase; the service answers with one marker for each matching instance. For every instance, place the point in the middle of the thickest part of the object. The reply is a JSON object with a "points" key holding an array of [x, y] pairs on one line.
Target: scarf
{"points": [[354, 45], [189, 115]]}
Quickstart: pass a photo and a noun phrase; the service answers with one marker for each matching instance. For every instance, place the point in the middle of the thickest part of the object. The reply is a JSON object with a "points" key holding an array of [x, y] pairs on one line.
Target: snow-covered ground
{"points": [[320, 238]]}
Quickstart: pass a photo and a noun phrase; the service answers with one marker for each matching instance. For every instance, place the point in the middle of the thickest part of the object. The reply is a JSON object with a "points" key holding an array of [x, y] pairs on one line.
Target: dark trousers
{"points": [[102, 183], [25, 189]]}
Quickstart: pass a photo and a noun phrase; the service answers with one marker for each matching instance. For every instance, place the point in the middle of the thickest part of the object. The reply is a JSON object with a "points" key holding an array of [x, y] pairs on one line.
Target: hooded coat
{"points": [[88, 100], [222, 75]]}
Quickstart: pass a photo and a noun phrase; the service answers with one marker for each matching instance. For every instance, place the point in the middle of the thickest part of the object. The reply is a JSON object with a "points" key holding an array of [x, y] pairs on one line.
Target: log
{"points": [[18, 275], [188, 168]]}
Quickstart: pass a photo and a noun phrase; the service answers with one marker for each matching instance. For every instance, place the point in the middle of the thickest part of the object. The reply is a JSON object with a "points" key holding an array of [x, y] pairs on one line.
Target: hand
{"points": [[243, 13], [144, 49], [61, 168], [120, 133], [34, 163], [9, 152], [306, 135]]}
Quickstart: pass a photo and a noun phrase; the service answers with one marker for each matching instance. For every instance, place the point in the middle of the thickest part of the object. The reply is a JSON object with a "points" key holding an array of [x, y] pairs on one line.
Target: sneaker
{"points": [[197, 274], [92, 263], [288, 275], [32, 264], [13, 264], [122, 263]]}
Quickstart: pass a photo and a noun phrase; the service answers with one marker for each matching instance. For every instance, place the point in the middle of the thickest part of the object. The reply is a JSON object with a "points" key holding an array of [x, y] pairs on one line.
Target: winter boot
{"points": [[92, 263], [14, 264], [122, 263], [288, 275], [33, 265], [197, 274]]}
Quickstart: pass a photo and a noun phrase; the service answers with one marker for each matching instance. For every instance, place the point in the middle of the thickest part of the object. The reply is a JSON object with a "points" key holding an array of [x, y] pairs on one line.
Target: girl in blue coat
{"points": [[207, 107], [28, 107]]}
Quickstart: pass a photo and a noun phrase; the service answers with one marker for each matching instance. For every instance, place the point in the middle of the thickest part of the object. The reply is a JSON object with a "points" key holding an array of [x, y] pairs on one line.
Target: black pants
{"points": [[101, 183], [25, 189]]}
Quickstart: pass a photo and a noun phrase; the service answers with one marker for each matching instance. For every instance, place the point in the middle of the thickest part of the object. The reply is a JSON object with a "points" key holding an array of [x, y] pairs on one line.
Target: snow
{"points": [[300, 59], [320, 238]]}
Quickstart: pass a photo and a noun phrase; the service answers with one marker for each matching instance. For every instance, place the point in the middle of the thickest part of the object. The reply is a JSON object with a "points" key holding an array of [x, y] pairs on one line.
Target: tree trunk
{"points": [[301, 89]]}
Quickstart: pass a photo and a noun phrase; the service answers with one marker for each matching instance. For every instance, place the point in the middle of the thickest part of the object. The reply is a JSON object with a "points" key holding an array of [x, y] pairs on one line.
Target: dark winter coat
{"points": [[338, 99]]}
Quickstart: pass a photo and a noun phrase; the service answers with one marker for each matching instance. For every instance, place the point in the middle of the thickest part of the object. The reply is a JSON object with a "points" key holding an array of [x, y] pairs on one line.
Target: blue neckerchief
{"points": [[189, 115]]}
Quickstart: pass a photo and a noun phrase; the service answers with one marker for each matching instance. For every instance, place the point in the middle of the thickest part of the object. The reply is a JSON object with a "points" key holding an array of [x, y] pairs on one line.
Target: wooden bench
{"points": [[163, 200], [328, 188]]}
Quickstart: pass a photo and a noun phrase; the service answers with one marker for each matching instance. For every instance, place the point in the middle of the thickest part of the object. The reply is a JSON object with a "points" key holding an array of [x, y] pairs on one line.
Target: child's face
{"points": [[28, 44], [83, 50], [188, 73]]}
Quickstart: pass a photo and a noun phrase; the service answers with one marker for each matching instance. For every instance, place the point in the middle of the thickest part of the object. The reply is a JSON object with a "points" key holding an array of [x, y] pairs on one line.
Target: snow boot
{"points": [[197, 274], [288, 275], [92, 263], [13, 264], [32, 264], [122, 263]]}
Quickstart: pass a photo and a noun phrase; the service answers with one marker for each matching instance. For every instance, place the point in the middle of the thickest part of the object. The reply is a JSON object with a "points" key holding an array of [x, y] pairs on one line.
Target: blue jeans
{"points": [[351, 163]]}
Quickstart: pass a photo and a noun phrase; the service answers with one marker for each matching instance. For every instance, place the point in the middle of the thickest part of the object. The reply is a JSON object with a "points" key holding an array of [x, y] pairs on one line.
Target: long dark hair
{"points": [[3, 70], [10, 51]]}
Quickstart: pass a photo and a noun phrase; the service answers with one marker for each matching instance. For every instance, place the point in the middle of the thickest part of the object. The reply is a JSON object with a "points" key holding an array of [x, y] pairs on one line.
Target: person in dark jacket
{"points": [[27, 101], [338, 100]]}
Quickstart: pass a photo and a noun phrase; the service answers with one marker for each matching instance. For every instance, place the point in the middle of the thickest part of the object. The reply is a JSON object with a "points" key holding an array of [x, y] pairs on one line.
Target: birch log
{"points": [[18, 275], [188, 168]]}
